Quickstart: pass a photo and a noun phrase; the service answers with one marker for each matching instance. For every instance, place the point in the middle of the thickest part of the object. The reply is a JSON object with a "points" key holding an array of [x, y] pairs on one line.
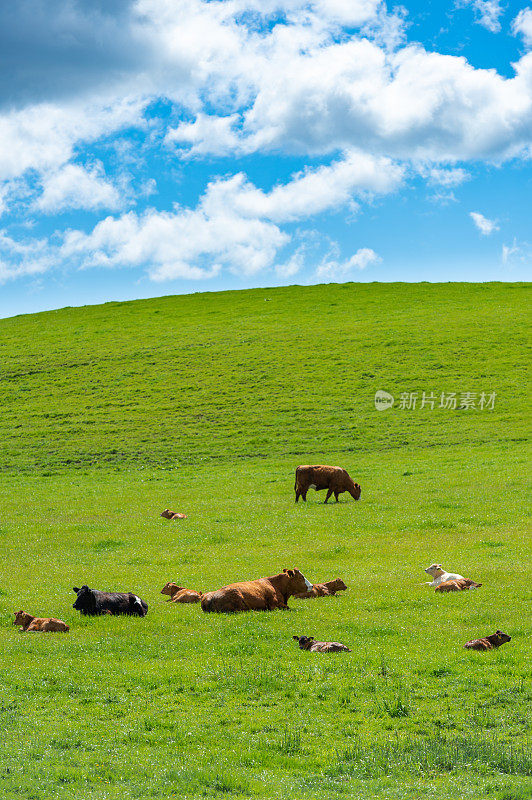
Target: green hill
{"points": [[205, 404], [277, 372]]}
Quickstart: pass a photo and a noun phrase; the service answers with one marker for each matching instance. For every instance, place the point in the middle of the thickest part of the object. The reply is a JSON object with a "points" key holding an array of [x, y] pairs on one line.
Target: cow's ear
{"points": [[296, 638], [75, 589], [290, 573]]}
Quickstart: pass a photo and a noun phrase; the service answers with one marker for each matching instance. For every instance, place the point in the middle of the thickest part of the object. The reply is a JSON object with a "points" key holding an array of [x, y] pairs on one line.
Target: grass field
{"points": [[205, 404]]}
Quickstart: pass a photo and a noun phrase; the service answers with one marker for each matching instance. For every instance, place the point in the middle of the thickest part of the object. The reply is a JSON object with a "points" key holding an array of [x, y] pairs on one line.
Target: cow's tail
{"points": [[295, 483]]}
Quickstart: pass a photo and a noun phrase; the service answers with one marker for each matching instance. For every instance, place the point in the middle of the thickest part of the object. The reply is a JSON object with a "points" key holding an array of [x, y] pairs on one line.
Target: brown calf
{"points": [[309, 643], [328, 589], [335, 479], [488, 642], [30, 624], [457, 586], [167, 514], [178, 594]]}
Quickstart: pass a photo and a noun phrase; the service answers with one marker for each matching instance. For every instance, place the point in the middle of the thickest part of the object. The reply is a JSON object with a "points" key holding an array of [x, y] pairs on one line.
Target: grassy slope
{"points": [[206, 403]]}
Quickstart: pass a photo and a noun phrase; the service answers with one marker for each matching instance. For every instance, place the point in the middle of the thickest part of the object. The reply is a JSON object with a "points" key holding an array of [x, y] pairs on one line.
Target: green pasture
{"points": [[206, 404]]}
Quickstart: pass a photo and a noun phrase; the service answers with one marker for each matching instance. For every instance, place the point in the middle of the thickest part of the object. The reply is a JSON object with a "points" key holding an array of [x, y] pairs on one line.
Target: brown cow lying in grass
{"points": [[488, 642], [178, 594], [309, 643], [263, 594], [320, 476], [328, 589], [30, 624], [459, 585], [167, 514]]}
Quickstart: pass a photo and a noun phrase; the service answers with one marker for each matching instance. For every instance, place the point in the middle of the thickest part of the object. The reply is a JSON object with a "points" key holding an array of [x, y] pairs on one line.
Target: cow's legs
{"points": [[336, 496], [304, 495], [297, 494], [329, 493]]}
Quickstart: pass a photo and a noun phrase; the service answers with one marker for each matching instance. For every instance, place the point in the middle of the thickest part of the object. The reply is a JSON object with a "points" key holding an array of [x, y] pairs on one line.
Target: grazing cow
{"points": [[328, 589], [31, 624], [263, 594], [489, 642], [309, 643], [92, 602], [335, 479], [457, 585], [178, 594], [167, 514], [439, 575]]}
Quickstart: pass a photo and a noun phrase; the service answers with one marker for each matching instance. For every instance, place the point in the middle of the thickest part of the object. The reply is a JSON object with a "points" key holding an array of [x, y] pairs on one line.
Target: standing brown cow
{"points": [[320, 476]]}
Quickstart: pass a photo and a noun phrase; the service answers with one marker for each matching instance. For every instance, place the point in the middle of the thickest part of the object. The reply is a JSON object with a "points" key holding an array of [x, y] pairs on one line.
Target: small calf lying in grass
{"points": [[328, 589], [309, 643], [488, 642], [457, 585], [30, 624], [439, 575], [178, 594], [167, 514]]}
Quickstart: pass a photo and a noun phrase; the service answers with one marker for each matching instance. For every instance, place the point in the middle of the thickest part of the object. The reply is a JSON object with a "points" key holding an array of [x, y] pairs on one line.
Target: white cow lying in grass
{"points": [[439, 575]]}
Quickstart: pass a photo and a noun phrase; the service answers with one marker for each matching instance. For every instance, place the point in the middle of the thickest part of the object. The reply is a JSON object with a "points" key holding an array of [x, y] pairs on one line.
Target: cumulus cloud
{"points": [[487, 12], [75, 186], [484, 225], [235, 225], [522, 24], [43, 137], [333, 270], [311, 192]]}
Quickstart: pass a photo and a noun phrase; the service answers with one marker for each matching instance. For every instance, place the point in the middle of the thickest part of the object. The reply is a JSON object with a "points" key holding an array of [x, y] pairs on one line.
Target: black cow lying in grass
{"points": [[92, 601]]}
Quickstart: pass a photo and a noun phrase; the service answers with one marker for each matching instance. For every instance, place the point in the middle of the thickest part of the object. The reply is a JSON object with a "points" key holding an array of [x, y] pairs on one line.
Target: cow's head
{"points": [[167, 514], [85, 600], [337, 585], [297, 582], [171, 588], [499, 638], [304, 641], [20, 617], [435, 570], [356, 491]]}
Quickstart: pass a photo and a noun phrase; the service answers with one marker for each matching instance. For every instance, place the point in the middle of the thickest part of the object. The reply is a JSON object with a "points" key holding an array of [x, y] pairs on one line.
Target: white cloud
{"points": [[334, 270], [444, 177], [484, 225], [43, 137], [508, 251], [19, 259], [522, 24], [487, 12], [311, 192], [74, 186], [185, 243], [235, 225], [207, 134]]}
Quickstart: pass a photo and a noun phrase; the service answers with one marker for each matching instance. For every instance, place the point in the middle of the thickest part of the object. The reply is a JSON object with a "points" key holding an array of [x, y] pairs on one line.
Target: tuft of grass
{"points": [[435, 753]]}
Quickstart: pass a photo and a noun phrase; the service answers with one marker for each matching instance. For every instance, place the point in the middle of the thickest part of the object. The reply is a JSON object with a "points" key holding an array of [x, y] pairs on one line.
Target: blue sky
{"points": [[153, 147]]}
